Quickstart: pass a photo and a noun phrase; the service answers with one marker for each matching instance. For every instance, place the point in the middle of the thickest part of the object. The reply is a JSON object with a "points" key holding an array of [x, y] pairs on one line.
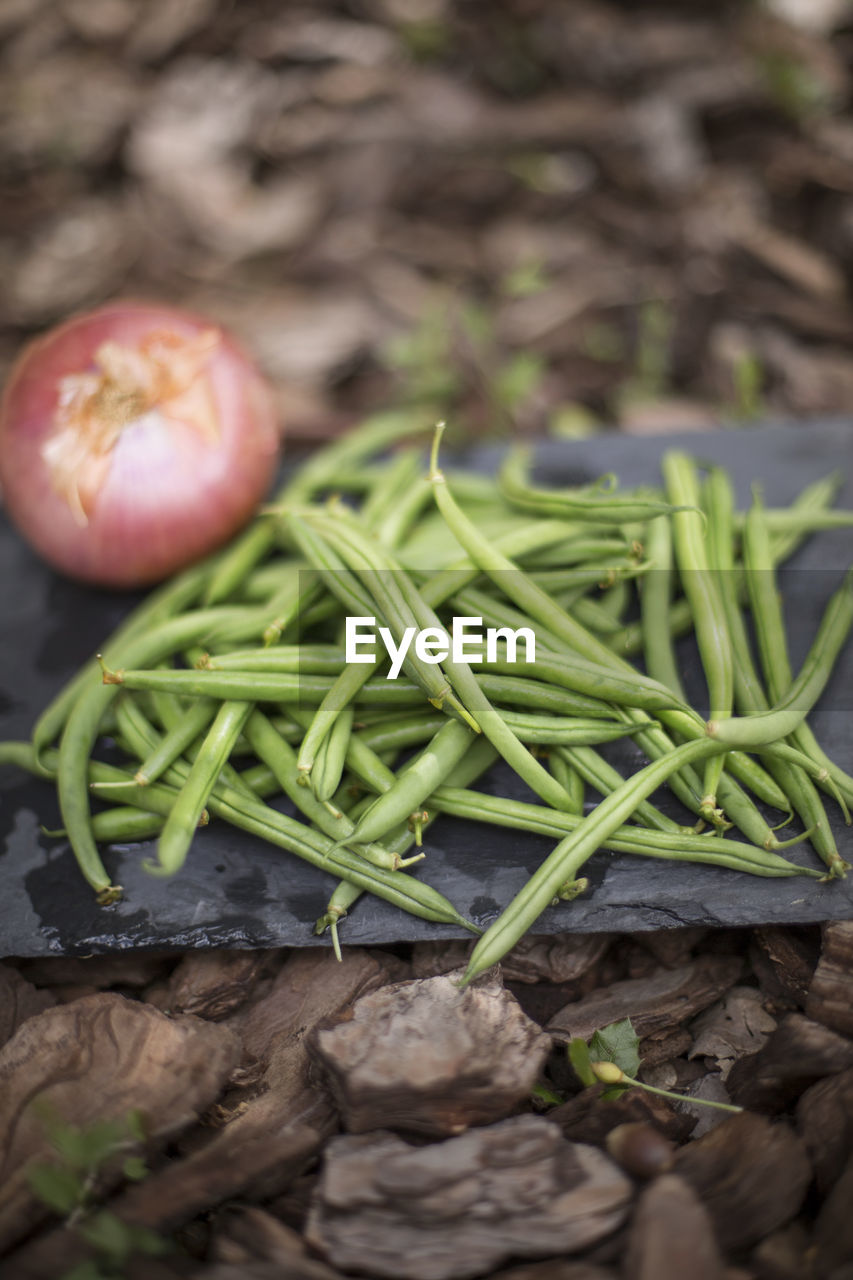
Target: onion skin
{"points": [[170, 489]]}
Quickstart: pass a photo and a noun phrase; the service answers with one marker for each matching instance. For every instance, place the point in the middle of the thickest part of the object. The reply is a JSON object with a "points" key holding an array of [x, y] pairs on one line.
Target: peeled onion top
{"points": [[133, 440]]}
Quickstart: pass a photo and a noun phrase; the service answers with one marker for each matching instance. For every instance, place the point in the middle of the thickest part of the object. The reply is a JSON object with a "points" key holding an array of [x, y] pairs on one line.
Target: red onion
{"points": [[133, 440]]}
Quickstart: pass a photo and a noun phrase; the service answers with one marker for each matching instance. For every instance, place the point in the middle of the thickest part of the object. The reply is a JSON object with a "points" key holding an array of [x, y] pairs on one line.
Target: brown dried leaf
{"points": [[738, 1025]]}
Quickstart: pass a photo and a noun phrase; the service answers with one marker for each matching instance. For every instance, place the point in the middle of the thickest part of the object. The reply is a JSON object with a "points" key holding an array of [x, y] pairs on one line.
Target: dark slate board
{"points": [[236, 892]]}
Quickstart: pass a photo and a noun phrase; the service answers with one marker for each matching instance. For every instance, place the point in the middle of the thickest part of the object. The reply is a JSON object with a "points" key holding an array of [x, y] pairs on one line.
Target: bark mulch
{"points": [[302, 1117]]}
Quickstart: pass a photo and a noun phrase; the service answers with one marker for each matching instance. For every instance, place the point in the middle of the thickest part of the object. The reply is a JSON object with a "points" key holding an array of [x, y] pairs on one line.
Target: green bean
{"points": [[565, 730], [654, 742], [537, 603], [563, 863], [368, 565], [700, 587], [655, 600], [788, 520], [580, 677], [346, 686], [165, 601], [539, 696], [415, 782], [328, 770], [149, 644], [313, 660], [569, 779], [239, 686], [577, 550], [614, 599], [474, 763], [259, 819], [23, 755], [604, 573], [791, 709], [125, 824], [814, 497], [194, 721], [675, 846], [290, 604], [393, 482], [474, 697], [177, 834], [396, 524], [604, 778], [569, 670], [400, 732], [280, 759], [363, 762], [588, 505], [770, 636], [594, 616]]}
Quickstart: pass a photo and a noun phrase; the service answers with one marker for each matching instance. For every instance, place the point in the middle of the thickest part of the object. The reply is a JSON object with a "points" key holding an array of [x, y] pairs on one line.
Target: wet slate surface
{"points": [[235, 891]]}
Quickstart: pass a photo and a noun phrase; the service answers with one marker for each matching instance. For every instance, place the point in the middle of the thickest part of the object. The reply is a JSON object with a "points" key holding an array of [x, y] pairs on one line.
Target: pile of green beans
{"points": [[228, 688]]}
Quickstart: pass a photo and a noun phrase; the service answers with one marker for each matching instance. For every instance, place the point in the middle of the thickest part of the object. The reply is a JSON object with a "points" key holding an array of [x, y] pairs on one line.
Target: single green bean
{"points": [[655, 603], [569, 779], [329, 767], [177, 834], [674, 846], [563, 863], [700, 587], [585, 504]]}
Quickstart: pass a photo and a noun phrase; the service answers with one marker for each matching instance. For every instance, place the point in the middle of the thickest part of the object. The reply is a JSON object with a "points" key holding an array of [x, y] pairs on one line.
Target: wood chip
{"points": [[428, 1057], [561, 958], [784, 1254], [460, 1207], [797, 1054], [19, 1000], [100, 1058], [251, 1234], [751, 1174], [833, 1235], [310, 987], [213, 984], [830, 998], [825, 1121], [784, 961], [671, 1235], [589, 1118], [655, 1004], [116, 969], [247, 1158], [555, 1269]]}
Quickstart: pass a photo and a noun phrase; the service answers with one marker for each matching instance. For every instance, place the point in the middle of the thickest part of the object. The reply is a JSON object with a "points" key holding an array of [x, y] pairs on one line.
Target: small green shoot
{"points": [[612, 1058], [68, 1186]]}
